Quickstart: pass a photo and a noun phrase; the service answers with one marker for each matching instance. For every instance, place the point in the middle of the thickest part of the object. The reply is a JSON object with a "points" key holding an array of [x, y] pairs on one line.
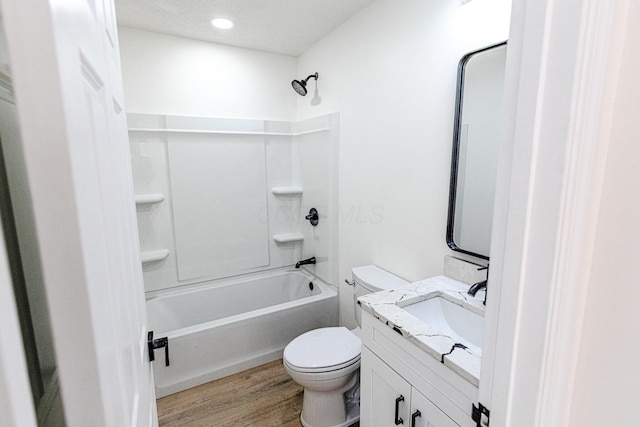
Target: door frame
{"points": [[561, 77], [16, 400]]}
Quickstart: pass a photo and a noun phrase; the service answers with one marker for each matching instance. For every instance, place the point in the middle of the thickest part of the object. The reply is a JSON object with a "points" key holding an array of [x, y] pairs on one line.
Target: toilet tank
{"points": [[369, 279]]}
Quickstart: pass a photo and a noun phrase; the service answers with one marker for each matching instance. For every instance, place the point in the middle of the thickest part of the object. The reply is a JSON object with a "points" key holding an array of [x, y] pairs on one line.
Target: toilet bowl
{"points": [[326, 361]]}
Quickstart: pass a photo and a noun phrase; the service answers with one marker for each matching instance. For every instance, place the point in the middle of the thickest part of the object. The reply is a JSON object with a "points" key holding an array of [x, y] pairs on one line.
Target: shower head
{"points": [[300, 86]]}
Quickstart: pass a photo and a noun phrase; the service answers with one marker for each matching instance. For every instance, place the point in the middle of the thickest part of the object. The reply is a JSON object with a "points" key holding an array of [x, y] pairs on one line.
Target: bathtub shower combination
{"points": [[217, 330], [221, 215]]}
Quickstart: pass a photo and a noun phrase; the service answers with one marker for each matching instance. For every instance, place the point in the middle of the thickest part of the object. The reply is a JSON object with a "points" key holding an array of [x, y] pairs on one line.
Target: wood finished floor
{"points": [[262, 396]]}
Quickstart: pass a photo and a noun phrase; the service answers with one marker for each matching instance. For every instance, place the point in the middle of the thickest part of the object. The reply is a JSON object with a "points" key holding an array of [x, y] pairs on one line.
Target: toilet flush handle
{"points": [[350, 282]]}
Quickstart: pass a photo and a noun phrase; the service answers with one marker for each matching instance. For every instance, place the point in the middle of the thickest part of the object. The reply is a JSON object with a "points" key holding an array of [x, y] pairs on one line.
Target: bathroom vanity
{"points": [[413, 370], [422, 343]]}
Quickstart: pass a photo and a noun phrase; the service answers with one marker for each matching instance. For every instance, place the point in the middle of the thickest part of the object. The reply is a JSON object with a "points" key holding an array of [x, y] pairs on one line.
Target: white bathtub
{"points": [[221, 328]]}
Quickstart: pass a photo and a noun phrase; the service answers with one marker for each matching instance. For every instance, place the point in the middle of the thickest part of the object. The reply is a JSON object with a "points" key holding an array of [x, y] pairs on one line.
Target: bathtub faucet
{"points": [[311, 260]]}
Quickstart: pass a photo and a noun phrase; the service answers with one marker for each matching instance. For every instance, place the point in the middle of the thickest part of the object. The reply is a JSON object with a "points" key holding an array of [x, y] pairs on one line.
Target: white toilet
{"points": [[326, 361]]}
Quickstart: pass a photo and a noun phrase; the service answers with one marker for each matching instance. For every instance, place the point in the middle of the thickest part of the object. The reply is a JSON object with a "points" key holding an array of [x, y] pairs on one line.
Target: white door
{"points": [[67, 84]]}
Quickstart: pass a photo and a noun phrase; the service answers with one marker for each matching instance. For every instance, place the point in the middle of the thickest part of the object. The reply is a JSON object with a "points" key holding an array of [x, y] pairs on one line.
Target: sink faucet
{"points": [[311, 260], [476, 287], [473, 290]]}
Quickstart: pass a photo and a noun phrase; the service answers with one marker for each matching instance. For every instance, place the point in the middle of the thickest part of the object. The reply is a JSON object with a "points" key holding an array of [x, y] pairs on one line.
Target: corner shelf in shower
{"points": [[288, 237], [287, 191], [152, 256], [148, 199]]}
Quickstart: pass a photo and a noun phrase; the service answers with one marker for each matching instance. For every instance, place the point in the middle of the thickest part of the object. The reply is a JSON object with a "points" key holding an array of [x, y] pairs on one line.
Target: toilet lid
{"points": [[323, 348], [376, 279]]}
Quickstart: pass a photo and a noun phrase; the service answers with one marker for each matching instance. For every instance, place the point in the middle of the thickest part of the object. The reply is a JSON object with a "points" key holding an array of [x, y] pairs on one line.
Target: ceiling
{"points": [[286, 27]]}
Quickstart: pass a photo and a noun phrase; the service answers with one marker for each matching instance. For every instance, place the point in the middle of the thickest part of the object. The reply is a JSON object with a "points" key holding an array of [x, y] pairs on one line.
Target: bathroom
{"points": [[172, 76], [392, 176]]}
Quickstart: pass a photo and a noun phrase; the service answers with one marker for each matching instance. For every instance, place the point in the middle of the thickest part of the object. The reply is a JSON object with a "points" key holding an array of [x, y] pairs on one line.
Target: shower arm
{"points": [[315, 76]]}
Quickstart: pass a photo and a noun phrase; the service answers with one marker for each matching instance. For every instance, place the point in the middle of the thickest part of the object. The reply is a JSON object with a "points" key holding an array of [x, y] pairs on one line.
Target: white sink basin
{"points": [[462, 325]]}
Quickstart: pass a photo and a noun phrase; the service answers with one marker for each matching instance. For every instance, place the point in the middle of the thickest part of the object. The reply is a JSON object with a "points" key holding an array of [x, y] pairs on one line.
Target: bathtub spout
{"points": [[311, 260]]}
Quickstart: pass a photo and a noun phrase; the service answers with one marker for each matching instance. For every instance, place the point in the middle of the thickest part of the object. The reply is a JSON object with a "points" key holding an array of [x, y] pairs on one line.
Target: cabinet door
{"points": [[425, 414], [384, 394]]}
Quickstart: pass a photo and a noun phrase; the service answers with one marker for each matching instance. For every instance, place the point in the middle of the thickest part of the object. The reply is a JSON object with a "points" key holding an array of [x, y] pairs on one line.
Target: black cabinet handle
{"points": [[155, 344], [398, 419], [414, 416]]}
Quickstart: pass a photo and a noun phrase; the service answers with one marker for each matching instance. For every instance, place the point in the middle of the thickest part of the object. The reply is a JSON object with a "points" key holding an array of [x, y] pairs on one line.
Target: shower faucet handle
{"points": [[312, 217]]}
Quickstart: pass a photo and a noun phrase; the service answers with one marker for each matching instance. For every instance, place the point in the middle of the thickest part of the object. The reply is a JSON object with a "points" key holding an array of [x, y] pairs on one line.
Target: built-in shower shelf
{"points": [[152, 256], [287, 191], [288, 237], [148, 199]]}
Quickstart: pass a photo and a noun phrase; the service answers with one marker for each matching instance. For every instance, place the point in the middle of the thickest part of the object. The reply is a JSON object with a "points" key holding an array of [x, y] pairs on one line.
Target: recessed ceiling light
{"points": [[222, 23]]}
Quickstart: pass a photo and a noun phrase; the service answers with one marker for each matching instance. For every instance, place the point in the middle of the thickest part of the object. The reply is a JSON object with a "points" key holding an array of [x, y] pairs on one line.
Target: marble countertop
{"points": [[386, 306]]}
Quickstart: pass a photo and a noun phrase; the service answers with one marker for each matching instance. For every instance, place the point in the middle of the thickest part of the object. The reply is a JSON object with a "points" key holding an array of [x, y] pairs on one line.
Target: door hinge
{"points": [[480, 414], [154, 344]]}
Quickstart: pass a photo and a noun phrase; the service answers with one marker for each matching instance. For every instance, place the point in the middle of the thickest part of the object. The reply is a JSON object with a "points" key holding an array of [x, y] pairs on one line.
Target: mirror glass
{"points": [[476, 137]]}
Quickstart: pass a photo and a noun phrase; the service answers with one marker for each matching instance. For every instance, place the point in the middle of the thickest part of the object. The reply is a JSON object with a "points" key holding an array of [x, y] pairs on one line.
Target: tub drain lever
{"points": [[156, 344]]}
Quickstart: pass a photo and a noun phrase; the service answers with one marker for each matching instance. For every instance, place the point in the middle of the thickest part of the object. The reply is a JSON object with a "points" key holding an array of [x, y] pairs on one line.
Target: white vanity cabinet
{"points": [[391, 400], [395, 373]]}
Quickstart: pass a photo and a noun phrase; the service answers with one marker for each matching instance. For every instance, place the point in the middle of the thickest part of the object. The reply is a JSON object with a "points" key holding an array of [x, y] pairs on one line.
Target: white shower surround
{"points": [[223, 211]]}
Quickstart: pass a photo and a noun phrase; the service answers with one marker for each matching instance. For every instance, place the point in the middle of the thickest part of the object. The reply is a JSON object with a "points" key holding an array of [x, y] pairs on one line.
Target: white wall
{"points": [[176, 76], [391, 73]]}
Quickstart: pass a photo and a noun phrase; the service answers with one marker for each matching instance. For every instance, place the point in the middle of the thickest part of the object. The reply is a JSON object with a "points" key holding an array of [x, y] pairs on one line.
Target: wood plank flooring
{"points": [[265, 396], [262, 396]]}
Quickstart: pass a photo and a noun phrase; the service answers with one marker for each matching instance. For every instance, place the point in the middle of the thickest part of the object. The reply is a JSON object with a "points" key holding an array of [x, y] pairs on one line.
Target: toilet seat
{"points": [[323, 350], [355, 362]]}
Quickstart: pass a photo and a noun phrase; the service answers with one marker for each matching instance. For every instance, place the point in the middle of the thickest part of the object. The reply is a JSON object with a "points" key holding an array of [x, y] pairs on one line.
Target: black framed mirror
{"points": [[476, 135]]}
